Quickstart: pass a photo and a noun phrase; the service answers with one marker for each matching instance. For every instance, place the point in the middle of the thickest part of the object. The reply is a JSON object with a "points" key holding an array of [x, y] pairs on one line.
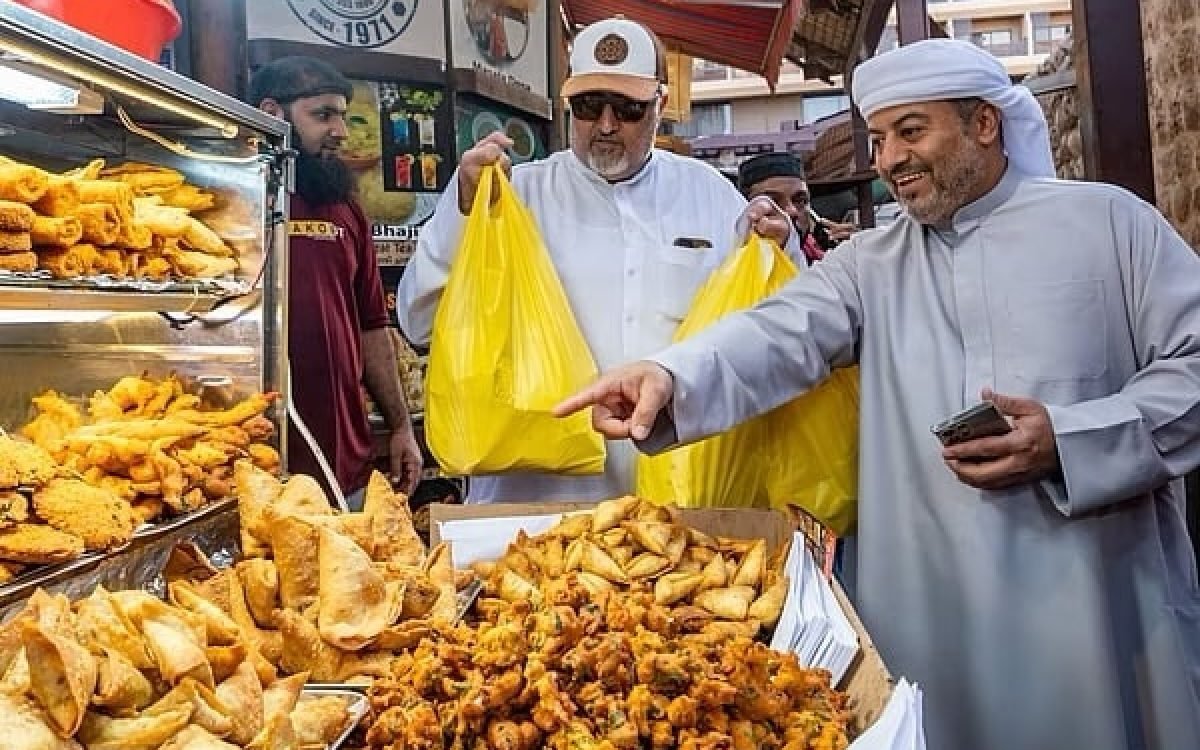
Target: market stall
{"points": [[141, 330]]}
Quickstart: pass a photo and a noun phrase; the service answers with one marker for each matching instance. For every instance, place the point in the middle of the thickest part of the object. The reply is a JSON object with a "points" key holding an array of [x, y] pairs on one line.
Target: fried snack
{"points": [[176, 649], [320, 720], [356, 602], [260, 582], [24, 725], [148, 730], [189, 197], [193, 737], [120, 686], [61, 198], [208, 711], [10, 571], [24, 464], [145, 179], [163, 221], [69, 263], [56, 232], [62, 675], [12, 243], [199, 237], [441, 574], [115, 194], [112, 261], [244, 692], [101, 223], [103, 626], [200, 265], [16, 217], [255, 490], [97, 516], [304, 651], [294, 541], [22, 183], [135, 235], [302, 496], [19, 262], [218, 627], [34, 543], [396, 539]]}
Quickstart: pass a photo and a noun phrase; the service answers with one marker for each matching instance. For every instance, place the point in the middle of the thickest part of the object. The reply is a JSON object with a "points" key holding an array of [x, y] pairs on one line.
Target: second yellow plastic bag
{"points": [[505, 349], [803, 453]]}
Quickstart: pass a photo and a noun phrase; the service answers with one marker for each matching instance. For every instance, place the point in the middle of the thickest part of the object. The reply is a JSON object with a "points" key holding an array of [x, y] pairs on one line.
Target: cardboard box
{"points": [[868, 682]]}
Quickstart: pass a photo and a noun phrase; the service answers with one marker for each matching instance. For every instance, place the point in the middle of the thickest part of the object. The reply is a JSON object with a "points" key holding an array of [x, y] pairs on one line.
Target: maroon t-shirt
{"points": [[334, 294]]}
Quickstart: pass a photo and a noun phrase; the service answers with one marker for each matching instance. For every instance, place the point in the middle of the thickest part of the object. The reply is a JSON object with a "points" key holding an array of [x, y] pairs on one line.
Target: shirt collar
{"points": [[970, 215]]}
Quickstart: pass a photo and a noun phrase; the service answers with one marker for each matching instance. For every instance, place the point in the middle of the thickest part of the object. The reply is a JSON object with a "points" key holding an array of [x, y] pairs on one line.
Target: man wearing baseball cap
{"points": [[632, 230]]}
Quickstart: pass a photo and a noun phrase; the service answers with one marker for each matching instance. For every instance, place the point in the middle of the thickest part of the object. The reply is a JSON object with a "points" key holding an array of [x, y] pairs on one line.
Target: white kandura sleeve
{"points": [[420, 290], [1140, 438]]}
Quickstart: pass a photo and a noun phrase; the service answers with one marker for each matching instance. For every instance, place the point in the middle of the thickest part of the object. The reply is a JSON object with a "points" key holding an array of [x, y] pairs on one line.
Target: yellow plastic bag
{"points": [[505, 350], [802, 453]]}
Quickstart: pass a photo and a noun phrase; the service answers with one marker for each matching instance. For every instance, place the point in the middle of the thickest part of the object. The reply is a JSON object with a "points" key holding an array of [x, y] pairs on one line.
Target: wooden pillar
{"points": [[912, 21], [217, 35], [1111, 79]]}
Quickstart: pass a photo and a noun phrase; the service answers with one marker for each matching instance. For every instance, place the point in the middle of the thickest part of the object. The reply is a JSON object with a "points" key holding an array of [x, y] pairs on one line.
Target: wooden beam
{"points": [[217, 44], [912, 21], [1111, 80], [869, 31]]}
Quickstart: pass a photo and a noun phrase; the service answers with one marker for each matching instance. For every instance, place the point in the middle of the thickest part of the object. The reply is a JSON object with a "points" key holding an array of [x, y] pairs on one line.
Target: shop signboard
{"points": [[476, 117], [413, 28], [500, 50]]}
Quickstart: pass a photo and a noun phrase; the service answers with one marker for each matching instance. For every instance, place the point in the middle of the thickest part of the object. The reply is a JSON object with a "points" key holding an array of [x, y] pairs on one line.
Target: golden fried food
{"points": [[24, 725], [69, 263], [24, 464], [163, 221], [145, 179], [34, 543], [97, 516], [57, 232], [115, 194], [111, 261], [22, 183], [356, 602], [19, 262], [60, 199], [62, 674], [189, 197], [101, 223], [16, 217], [10, 571], [196, 264], [320, 720], [14, 508], [12, 243]]}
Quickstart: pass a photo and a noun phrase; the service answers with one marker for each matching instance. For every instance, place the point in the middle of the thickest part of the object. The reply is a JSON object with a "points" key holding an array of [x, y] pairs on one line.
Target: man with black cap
{"points": [[633, 231], [338, 337], [780, 177]]}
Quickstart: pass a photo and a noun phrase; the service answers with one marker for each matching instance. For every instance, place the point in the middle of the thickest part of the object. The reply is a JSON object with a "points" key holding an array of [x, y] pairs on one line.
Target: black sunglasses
{"points": [[590, 105]]}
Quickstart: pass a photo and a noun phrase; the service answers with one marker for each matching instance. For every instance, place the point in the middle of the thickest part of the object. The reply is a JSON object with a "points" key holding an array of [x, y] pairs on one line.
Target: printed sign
{"points": [[401, 27], [502, 38]]}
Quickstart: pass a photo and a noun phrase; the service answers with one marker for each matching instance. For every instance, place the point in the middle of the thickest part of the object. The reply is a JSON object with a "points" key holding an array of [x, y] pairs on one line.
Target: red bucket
{"points": [[143, 27]]}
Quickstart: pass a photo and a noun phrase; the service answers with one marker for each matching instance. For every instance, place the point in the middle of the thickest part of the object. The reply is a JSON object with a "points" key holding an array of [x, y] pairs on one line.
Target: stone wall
{"points": [[1171, 44], [1061, 107]]}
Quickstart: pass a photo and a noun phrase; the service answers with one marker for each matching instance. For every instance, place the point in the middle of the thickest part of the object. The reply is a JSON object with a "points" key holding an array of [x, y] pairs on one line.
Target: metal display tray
{"points": [[356, 705]]}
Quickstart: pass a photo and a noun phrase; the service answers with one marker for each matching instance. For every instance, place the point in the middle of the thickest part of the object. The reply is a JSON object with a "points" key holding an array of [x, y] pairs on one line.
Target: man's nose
{"points": [[338, 129], [889, 154], [608, 122]]}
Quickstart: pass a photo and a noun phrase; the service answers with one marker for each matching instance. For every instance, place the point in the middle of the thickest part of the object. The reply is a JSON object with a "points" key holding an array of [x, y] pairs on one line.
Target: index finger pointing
{"points": [[589, 396]]}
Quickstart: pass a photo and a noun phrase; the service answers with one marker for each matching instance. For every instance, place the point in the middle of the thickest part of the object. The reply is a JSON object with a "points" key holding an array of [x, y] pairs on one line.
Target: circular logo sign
{"points": [[355, 23], [612, 50]]}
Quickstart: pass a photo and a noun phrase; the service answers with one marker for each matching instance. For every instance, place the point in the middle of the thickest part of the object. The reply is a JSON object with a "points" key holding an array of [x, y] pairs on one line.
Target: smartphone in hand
{"points": [[981, 420]]}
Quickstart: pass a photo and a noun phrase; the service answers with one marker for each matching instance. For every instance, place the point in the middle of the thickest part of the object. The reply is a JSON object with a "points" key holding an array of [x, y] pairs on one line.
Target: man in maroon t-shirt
{"points": [[338, 335]]}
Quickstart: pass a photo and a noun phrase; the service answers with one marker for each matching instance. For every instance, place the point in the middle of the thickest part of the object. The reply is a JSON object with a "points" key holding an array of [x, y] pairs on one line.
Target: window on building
{"points": [[1045, 37], [816, 107], [707, 119], [1000, 42]]}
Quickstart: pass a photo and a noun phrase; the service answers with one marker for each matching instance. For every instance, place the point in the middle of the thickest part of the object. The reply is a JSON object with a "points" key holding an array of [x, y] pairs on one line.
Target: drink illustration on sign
{"points": [[500, 28]]}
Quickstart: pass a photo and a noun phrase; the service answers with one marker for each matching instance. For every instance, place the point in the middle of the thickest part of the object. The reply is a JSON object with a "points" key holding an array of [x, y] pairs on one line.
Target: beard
{"points": [[951, 183], [609, 163], [323, 180]]}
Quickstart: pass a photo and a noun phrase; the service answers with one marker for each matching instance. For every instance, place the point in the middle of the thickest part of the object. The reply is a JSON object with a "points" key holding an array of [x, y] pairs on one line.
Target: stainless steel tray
{"points": [[37, 291], [155, 530]]}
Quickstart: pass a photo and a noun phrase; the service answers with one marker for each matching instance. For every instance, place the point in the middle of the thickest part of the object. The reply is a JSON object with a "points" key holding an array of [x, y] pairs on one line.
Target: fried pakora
{"points": [[102, 519]]}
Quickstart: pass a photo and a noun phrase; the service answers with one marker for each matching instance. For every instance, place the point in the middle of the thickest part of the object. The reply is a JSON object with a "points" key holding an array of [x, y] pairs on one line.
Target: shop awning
{"points": [[752, 35]]}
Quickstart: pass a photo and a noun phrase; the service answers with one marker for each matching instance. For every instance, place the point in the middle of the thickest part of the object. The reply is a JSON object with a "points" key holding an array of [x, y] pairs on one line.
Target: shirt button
{"points": [[629, 319], [632, 272]]}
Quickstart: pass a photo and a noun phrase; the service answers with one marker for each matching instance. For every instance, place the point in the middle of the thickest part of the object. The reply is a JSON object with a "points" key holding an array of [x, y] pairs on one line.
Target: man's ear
{"points": [[272, 107], [987, 119]]}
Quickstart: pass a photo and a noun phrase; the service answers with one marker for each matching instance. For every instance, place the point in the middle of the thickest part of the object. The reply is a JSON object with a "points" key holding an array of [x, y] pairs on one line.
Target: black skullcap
{"points": [[290, 78], [775, 164]]}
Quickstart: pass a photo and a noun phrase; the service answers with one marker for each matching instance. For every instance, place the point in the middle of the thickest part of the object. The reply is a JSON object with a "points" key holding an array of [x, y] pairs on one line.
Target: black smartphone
{"points": [[981, 420]]}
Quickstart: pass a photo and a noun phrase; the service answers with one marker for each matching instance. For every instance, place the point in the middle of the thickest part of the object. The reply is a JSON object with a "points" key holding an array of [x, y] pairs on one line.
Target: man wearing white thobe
{"points": [[1040, 585]]}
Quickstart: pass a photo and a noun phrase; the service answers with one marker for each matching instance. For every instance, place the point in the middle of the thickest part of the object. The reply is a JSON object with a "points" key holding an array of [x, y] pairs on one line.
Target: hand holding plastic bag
{"points": [[505, 350], [802, 453]]}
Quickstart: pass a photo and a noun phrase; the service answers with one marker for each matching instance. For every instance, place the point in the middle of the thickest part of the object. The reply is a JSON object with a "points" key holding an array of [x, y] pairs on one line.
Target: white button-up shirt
{"points": [[617, 251]]}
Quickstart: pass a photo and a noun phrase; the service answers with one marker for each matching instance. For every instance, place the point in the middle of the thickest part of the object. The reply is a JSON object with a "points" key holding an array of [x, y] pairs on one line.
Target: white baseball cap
{"points": [[615, 55]]}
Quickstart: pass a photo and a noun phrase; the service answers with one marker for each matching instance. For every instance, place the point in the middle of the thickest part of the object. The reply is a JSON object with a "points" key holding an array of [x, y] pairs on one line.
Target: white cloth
{"points": [[939, 69], [628, 284], [1058, 614]]}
